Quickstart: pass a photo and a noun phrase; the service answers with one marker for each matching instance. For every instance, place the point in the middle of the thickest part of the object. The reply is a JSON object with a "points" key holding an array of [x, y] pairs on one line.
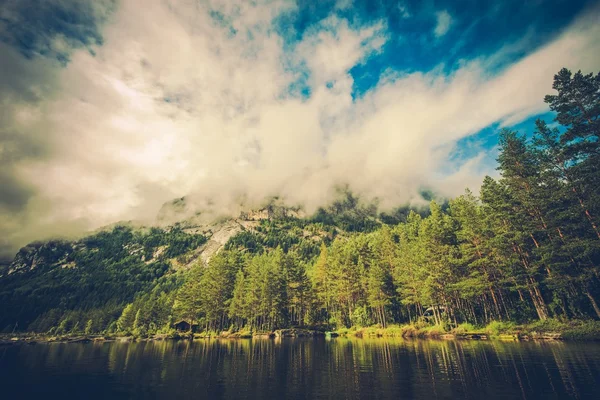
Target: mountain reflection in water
{"points": [[302, 369]]}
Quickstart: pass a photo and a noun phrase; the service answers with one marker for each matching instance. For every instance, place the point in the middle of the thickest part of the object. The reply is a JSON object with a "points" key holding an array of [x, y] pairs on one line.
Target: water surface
{"points": [[302, 369]]}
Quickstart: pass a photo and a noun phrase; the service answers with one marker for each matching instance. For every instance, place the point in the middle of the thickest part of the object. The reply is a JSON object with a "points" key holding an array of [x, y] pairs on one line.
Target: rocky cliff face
{"points": [[270, 212], [40, 254], [177, 213], [218, 235], [217, 229]]}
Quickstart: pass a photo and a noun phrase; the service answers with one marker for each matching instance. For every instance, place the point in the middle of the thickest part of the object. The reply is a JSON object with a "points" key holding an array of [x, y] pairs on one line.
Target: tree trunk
{"points": [[593, 301], [536, 298]]}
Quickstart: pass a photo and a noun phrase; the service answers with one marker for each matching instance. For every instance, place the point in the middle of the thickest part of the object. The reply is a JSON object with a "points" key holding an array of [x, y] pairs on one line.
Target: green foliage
{"points": [[527, 248], [360, 317], [175, 240], [126, 320], [89, 327], [348, 214], [582, 330], [246, 240], [572, 329], [433, 331], [463, 328], [90, 279], [300, 237], [496, 328]]}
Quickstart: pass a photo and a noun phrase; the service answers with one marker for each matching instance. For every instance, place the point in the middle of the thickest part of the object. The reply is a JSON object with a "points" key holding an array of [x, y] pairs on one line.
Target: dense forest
{"points": [[526, 248]]}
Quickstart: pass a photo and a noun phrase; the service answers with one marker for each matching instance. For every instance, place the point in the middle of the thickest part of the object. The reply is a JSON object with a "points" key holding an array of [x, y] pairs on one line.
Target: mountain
{"points": [[99, 274]]}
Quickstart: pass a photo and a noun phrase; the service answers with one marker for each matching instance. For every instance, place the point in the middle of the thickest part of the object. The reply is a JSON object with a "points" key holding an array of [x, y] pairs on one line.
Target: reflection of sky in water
{"points": [[276, 369]]}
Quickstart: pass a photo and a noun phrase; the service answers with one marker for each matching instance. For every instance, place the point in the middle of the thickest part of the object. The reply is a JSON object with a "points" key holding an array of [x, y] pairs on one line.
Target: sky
{"points": [[110, 108]]}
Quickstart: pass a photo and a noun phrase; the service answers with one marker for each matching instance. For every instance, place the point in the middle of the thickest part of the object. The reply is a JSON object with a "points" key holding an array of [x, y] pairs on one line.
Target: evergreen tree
{"points": [[299, 289], [126, 320]]}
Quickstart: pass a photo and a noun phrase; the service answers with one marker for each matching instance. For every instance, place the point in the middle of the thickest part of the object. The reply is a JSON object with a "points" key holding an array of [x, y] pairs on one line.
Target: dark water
{"points": [[301, 369]]}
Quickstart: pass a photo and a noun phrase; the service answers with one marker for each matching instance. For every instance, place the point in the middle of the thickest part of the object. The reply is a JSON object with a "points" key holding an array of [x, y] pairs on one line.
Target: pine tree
{"points": [[188, 304], [238, 308], [577, 107], [410, 272], [215, 287], [479, 273], [298, 288], [126, 320], [380, 287]]}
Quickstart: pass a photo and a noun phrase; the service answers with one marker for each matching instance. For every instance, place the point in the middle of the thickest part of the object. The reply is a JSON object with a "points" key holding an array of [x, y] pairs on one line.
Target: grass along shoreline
{"points": [[550, 329]]}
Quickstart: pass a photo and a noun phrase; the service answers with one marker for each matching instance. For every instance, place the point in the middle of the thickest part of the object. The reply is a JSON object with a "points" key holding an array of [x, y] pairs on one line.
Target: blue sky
{"points": [[476, 29], [110, 108]]}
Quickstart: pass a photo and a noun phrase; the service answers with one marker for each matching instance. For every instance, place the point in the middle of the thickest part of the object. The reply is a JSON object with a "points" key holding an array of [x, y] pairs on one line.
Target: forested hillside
{"points": [[68, 285], [526, 248]]}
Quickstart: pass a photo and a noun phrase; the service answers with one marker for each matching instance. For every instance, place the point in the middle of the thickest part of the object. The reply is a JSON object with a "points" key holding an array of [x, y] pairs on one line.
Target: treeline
{"points": [[528, 247]]}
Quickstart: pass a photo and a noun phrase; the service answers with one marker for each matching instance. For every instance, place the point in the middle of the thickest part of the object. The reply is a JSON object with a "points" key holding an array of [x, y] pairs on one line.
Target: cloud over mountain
{"points": [[160, 99]]}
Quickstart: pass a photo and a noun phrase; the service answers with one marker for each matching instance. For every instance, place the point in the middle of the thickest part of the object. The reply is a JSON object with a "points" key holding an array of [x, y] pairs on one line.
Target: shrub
{"points": [[496, 328], [409, 331], [463, 328], [576, 329], [394, 330], [432, 331], [581, 330], [343, 331], [549, 325]]}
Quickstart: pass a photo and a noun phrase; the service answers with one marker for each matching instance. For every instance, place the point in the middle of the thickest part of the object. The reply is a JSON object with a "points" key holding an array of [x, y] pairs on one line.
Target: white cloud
{"points": [[343, 4], [403, 9], [443, 22], [331, 48], [174, 104]]}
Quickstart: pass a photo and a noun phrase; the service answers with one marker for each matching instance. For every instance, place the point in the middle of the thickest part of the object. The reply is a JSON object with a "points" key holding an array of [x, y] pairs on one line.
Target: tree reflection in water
{"points": [[303, 369]]}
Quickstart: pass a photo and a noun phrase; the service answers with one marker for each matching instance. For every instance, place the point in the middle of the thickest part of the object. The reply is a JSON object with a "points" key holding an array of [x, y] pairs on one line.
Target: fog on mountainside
{"points": [[110, 109]]}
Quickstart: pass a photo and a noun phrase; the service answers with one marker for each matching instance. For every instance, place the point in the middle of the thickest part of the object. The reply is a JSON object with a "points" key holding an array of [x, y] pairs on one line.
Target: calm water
{"points": [[301, 369]]}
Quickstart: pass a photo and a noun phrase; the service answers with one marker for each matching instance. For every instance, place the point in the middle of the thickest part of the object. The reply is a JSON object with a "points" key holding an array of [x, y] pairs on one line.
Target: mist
{"points": [[208, 100]]}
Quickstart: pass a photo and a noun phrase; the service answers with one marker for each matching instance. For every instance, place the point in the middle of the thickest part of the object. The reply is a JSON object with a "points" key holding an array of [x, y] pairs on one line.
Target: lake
{"points": [[302, 369]]}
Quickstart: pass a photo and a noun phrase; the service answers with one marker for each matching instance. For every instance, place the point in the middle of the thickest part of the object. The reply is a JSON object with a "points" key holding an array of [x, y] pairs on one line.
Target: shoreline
{"points": [[32, 339]]}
